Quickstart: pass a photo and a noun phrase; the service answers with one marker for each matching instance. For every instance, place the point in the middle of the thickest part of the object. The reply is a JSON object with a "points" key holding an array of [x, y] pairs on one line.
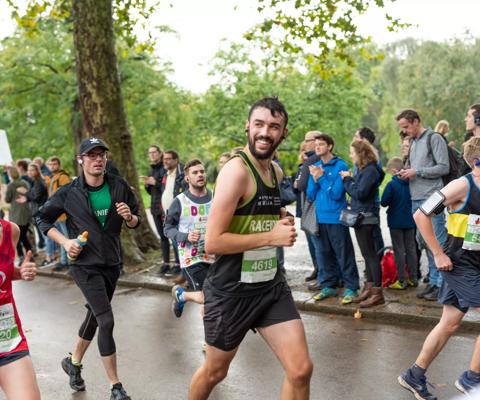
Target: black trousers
{"points": [[165, 242], [23, 241], [364, 235]]}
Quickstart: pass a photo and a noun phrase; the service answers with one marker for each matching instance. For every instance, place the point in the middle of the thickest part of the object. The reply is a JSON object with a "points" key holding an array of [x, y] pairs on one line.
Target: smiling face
{"points": [[265, 132]]}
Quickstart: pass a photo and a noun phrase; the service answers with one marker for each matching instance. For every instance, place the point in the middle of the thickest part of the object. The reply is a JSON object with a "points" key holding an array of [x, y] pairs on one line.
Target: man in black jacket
{"points": [[154, 187], [173, 183], [99, 203], [300, 185]]}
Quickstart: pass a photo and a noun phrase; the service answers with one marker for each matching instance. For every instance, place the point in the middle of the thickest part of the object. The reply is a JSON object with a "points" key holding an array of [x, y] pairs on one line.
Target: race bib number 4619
{"points": [[259, 265]]}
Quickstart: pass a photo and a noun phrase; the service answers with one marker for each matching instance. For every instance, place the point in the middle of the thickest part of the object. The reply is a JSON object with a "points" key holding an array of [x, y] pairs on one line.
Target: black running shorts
{"points": [[461, 287], [12, 357], [196, 275], [227, 319]]}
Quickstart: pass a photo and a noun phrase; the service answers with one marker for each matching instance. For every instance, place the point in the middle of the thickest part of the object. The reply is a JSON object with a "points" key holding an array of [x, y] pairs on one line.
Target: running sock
{"points": [[474, 376], [181, 297], [76, 363], [417, 371]]}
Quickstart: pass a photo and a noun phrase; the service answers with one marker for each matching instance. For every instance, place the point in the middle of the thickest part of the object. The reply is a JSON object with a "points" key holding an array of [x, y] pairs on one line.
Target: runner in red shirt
{"points": [[17, 377]]}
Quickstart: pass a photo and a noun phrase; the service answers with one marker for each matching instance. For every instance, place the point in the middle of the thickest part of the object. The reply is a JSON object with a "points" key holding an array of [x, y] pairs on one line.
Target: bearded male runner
{"points": [[244, 288]]}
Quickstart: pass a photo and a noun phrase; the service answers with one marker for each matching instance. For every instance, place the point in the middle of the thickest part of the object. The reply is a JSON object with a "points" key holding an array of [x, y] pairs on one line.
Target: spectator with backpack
{"points": [[427, 164], [396, 197]]}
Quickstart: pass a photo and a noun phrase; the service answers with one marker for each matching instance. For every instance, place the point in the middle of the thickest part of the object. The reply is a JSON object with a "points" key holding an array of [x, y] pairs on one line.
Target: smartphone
{"points": [[431, 204]]}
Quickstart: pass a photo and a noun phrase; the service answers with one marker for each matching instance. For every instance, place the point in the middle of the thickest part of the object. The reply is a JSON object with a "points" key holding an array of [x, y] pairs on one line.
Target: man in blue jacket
{"points": [[333, 245]]}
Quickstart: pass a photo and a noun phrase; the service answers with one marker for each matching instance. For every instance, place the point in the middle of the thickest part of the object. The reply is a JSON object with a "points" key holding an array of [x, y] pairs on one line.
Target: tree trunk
{"points": [[77, 130], [101, 103]]}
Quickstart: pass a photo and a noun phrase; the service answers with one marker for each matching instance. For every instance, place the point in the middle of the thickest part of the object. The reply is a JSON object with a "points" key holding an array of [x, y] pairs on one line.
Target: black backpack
{"points": [[455, 160]]}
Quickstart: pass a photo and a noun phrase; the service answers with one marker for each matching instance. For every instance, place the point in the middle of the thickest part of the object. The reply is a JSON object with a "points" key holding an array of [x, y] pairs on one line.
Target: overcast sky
{"points": [[201, 26]]}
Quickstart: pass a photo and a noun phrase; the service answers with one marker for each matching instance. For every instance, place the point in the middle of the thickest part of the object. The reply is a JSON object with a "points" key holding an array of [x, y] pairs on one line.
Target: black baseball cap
{"points": [[91, 143]]}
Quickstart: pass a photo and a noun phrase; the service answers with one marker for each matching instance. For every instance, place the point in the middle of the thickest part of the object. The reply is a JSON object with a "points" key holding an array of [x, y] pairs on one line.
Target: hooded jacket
{"points": [[328, 192], [396, 197]]}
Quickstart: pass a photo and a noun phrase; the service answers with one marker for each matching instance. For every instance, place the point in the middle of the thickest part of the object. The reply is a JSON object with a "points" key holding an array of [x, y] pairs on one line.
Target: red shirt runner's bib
{"points": [[12, 339]]}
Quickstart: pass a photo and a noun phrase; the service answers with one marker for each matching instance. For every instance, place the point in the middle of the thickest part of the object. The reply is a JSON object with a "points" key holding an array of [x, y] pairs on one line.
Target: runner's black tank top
{"points": [[460, 231], [251, 272]]}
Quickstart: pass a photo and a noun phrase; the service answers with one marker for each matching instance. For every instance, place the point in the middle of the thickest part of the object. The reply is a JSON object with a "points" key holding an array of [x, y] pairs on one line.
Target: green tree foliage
{"points": [[335, 105], [38, 89], [439, 80], [127, 15], [319, 29]]}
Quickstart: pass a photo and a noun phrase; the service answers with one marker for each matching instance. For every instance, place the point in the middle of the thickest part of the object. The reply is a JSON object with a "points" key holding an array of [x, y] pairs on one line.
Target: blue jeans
{"points": [[62, 227], [50, 247], [335, 256], [440, 230]]}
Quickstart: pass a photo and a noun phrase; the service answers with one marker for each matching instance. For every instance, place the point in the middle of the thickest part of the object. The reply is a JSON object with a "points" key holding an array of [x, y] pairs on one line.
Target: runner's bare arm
{"points": [[455, 194], [234, 184], [28, 270]]}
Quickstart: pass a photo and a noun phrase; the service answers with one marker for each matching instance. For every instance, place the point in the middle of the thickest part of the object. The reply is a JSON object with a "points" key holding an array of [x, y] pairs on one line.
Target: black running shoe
{"points": [[74, 372], [119, 393]]}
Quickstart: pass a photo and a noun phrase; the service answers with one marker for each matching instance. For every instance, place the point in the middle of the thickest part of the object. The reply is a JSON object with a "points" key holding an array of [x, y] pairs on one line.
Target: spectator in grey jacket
{"points": [[427, 163]]}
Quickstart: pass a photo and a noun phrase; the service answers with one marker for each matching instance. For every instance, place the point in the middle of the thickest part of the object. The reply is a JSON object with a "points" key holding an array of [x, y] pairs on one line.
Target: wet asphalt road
{"points": [[354, 359]]}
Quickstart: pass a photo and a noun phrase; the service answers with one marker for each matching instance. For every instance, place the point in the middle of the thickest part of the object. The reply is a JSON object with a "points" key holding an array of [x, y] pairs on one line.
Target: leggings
{"points": [[97, 285], [23, 241]]}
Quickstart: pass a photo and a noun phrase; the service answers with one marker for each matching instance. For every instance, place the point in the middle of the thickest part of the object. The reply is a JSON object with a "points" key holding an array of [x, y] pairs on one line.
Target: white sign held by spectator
{"points": [[5, 154]]}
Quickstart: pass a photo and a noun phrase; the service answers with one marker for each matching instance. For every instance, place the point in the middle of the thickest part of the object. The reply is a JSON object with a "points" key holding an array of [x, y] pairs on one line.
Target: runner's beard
{"points": [[263, 155]]}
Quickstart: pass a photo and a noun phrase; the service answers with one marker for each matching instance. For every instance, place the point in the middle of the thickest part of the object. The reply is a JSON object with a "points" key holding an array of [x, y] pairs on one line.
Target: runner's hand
{"points": [[124, 211], [28, 269], [443, 262], [72, 248], [283, 234], [194, 236]]}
